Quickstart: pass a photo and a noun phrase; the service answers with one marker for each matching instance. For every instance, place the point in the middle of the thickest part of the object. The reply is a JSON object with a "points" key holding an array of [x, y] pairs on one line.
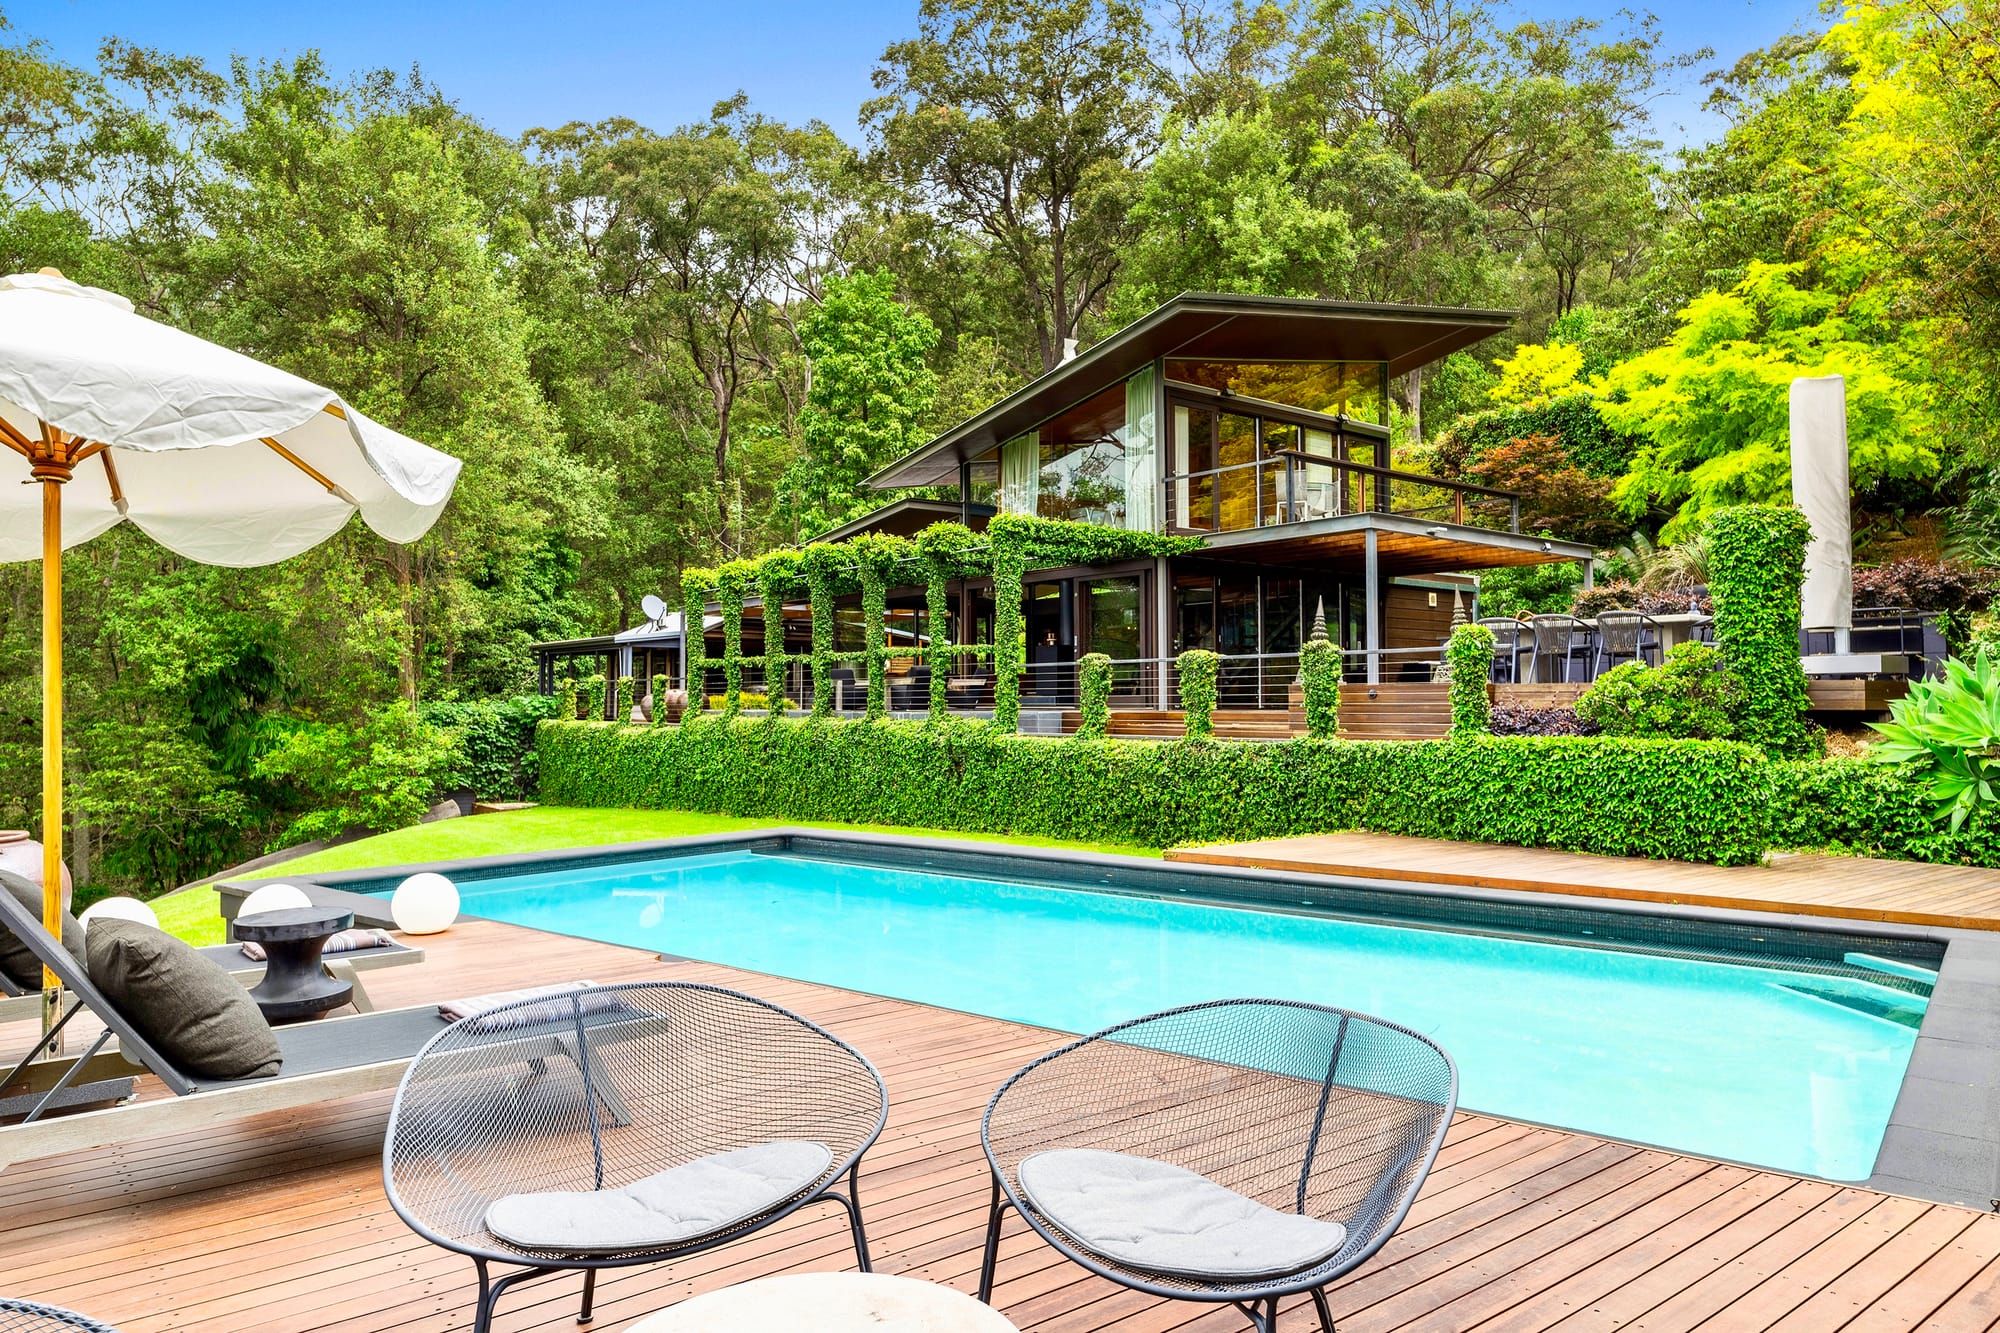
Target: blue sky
{"points": [[518, 64]]}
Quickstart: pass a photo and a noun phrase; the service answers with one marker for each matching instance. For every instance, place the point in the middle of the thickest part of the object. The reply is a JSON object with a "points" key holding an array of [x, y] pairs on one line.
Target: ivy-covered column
{"points": [[1756, 563], [819, 592], [1010, 649], [729, 590], [696, 586], [937, 606], [777, 574]]}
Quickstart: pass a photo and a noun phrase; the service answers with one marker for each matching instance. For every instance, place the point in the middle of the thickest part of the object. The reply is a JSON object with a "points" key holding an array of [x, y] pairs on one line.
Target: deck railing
{"points": [[1280, 488]]}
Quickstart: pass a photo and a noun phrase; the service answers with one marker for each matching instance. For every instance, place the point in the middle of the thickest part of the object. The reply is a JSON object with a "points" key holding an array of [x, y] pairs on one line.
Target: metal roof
{"points": [[1207, 326]]}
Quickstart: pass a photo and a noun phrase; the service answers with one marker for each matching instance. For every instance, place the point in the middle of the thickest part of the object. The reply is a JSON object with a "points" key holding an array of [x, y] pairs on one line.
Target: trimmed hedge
{"points": [[1756, 567], [1870, 809], [1469, 654], [1696, 800]]}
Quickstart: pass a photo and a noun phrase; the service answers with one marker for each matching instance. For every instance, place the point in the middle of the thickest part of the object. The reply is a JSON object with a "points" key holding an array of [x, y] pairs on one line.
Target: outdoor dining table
{"points": [[1674, 629]]}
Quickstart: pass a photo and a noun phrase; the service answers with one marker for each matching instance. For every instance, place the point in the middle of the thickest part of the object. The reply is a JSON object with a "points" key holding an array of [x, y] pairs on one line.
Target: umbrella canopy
{"points": [[125, 401], [216, 456]]}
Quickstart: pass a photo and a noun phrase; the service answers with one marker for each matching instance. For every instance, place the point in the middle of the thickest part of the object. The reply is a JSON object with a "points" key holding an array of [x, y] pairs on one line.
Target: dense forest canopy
{"points": [[659, 347]]}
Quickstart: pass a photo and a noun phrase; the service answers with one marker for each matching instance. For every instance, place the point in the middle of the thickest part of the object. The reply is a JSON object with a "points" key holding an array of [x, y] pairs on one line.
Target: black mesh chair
{"points": [[28, 1317], [572, 1100], [1310, 1111], [1626, 636], [1506, 649], [1561, 643]]}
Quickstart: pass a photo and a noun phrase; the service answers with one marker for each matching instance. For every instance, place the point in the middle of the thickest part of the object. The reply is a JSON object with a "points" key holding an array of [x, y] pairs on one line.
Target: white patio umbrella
{"points": [[216, 456]]}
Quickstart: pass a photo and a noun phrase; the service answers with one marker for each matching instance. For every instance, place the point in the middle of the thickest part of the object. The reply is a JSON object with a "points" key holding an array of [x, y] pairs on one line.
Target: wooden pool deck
{"points": [[278, 1224], [1854, 887]]}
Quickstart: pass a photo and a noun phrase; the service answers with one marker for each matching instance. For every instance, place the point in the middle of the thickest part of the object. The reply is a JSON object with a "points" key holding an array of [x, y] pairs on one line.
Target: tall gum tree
{"points": [[1027, 123]]}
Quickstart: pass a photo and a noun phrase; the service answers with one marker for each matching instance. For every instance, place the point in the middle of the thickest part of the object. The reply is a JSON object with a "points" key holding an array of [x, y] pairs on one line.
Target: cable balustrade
{"points": [[1279, 488]]}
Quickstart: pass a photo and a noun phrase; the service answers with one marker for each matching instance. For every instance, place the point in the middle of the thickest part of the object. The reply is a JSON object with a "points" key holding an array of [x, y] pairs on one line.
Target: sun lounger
{"points": [[16, 1005], [336, 1057]]}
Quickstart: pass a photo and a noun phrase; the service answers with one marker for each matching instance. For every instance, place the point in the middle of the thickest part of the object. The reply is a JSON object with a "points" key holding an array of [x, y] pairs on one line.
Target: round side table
{"points": [[296, 984], [830, 1303]]}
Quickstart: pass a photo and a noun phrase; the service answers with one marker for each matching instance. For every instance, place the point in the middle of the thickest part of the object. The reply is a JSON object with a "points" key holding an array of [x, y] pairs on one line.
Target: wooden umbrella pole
{"points": [[52, 737]]}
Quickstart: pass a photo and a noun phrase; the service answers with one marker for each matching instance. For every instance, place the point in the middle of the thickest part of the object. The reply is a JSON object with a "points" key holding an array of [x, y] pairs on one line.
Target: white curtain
{"points": [[1142, 454], [1021, 475]]}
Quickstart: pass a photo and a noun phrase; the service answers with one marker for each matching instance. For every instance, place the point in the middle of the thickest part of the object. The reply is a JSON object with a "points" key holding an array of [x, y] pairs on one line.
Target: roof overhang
{"points": [[906, 518], [1403, 545], [1206, 326]]}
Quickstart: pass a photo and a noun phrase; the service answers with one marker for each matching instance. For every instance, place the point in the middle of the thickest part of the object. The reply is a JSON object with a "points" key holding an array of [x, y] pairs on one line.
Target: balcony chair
{"points": [[725, 1114], [1561, 641], [911, 691], [1628, 636], [28, 1317], [1236, 1151], [1507, 646]]}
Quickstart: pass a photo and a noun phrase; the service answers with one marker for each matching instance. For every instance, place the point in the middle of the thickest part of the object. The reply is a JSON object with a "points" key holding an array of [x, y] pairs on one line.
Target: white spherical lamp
{"points": [[424, 904], [274, 898], [121, 909]]}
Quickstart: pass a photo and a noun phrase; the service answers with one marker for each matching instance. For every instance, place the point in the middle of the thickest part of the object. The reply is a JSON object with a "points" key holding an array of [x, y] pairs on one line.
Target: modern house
{"points": [[1260, 425]]}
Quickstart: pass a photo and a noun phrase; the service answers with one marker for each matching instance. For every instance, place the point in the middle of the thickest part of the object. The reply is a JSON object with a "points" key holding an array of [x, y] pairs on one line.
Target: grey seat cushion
{"points": [[1163, 1218], [16, 959], [693, 1199], [187, 1006]]}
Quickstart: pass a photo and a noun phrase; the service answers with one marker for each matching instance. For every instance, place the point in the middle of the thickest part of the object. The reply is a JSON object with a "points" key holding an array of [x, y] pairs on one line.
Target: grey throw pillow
{"points": [[193, 1011], [16, 960]]}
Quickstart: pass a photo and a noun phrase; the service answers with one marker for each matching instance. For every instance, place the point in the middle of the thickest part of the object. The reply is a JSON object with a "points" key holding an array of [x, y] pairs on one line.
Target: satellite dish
{"points": [[655, 609]]}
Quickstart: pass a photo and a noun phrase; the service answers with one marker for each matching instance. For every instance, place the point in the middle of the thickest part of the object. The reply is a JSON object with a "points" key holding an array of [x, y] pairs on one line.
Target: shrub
{"points": [[1756, 564], [1590, 443], [1925, 585], [1700, 800], [1093, 694], [1557, 496], [622, 710], [1619, 595], [1948, 732], [1865, 808], [379, 776], [1688, 696], [593, 695], [1319, 682], [1469, 654], [496, 742], [1525, 720], [747, 700], [1198, 669]]}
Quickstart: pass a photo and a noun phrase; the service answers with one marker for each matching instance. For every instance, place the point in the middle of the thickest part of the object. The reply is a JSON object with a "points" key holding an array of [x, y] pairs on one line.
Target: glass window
{"points": [[1236, 489], [985, 478], [1113, 618], [1192, 503], [1194, 613], [1082, 473], [1358, 389]]}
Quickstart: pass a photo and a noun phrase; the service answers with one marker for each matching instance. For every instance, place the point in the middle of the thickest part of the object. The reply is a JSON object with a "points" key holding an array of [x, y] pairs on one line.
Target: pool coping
{"points": [[1943, 1139]]}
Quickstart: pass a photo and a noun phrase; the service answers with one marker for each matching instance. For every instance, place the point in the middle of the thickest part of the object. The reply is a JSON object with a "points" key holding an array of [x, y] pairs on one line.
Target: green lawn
{"points": [[192, 915]]}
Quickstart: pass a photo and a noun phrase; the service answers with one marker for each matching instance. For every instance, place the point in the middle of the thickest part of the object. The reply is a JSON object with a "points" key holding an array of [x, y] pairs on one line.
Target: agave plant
{"points": [[1949, 731]]}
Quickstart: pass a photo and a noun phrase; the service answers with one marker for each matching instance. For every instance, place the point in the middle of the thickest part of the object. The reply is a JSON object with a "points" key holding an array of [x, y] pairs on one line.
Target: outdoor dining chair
{"points": [[1626, 636], [1561, 642], [28, 1317], [1236, 1151], [1507, 646], [684, 1117]]}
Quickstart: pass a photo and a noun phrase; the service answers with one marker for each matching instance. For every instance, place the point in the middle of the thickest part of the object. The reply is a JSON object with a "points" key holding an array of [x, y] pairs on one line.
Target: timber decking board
{"points": [[1854, 887], [279, 1224]]}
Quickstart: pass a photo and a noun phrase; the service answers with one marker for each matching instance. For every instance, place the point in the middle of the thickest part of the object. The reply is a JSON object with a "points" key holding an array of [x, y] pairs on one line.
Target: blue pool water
{"points": [[1792, 1070]]}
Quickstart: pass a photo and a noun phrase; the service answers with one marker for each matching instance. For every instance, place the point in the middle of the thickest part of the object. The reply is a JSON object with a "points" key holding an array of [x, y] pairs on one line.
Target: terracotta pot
{"points": [[674, 701], [23, 855]]}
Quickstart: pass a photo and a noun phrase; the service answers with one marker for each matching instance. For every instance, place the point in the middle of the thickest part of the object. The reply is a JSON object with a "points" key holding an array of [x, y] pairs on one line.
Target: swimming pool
{"points": [[1780, 1061]]}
